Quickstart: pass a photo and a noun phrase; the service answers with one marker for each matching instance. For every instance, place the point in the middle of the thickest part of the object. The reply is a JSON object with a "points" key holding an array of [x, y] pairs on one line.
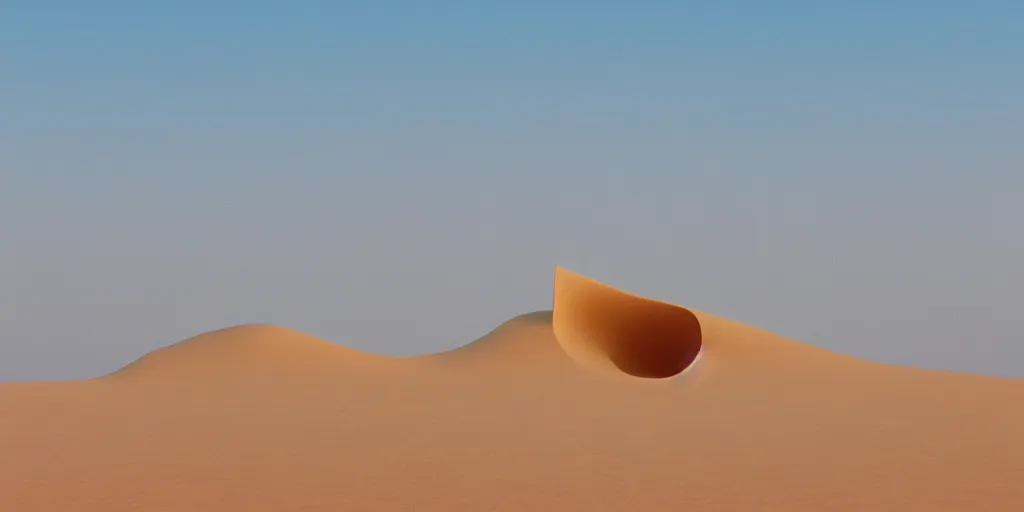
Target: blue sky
{"points": [[403, 179]]}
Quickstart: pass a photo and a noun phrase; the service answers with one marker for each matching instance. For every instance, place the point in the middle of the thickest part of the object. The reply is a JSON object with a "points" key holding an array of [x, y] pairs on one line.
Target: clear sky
{"points": [[403, 179]]}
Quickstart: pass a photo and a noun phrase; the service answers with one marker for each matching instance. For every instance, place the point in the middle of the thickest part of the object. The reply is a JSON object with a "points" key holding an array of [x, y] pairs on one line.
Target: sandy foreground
{"points": [[608, 402]]}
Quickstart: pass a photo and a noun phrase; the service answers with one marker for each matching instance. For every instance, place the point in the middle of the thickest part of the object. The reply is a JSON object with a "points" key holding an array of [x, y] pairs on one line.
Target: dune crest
{"points": [[591, 326], [249, 348], [608, 328]]}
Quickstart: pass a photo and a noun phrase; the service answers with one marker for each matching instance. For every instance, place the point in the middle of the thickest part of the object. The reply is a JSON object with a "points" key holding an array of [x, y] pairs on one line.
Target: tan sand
{"points": [[610, 402]]}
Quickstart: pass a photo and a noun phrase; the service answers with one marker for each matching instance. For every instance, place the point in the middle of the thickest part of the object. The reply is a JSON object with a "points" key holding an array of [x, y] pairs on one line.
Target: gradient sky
{"points": [[402, 180]]}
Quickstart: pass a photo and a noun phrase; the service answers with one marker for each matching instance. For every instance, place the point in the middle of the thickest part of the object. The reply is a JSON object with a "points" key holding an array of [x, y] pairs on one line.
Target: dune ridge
{"points": [[249, 348], [591, 324], [609, 401]]}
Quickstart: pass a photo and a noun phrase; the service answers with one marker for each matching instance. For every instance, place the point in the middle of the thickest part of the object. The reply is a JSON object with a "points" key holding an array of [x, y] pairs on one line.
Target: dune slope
{"points": [[247, 349], [608, 402]]}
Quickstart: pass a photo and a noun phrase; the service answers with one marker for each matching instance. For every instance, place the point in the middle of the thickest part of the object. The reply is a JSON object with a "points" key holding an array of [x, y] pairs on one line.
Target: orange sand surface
{"points": [[608, 402]]}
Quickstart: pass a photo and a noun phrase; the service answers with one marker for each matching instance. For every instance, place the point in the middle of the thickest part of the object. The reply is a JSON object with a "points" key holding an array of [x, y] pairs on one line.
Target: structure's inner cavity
{"points": [[598, 324], [650, 341]]}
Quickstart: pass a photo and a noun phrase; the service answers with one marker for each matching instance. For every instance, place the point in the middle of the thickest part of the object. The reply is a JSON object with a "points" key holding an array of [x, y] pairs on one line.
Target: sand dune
{"points": [[608, 402], [247, 349]]}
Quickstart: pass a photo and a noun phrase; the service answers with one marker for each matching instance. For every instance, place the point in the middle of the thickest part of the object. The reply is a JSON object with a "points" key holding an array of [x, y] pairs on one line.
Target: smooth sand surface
{"points": [[610, 402]]}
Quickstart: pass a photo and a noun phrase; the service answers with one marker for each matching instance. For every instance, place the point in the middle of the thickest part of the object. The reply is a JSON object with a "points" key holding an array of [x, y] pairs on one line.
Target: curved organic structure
{"points": [[608, 328]]}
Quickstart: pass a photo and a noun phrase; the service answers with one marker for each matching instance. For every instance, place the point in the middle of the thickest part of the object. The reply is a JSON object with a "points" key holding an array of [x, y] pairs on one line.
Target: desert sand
{"points": [[609, 401]]}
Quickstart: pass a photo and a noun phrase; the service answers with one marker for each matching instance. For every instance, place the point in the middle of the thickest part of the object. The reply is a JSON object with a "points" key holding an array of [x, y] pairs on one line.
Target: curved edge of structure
{"points": [[610, 329]]}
